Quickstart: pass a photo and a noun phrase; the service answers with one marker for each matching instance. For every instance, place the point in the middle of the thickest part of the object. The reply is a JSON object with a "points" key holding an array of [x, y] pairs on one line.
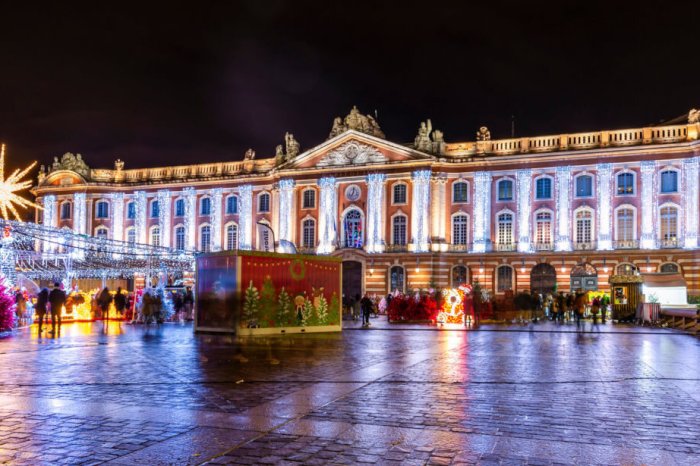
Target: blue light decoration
{"points": [[286, 209], [328, 213], [604, 206], [482, 212], [245, 217], [648, 238], [524, 209], [419, 210], [375, 212], [562, 240], [217, 195], [690, 202], [163, 217]]}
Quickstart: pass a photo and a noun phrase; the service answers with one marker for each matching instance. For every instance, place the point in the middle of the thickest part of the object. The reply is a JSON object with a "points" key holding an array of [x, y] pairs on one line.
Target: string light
{"points": [[648, 202], [421, 203], [9, 201], [604, 206], [328, 208], [690, 208], [524, 209], [375, 212], [286, 200], [245, 225]]}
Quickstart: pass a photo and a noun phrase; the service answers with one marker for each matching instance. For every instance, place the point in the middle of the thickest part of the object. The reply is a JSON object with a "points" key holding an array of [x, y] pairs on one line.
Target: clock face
{"points": [[352, 192]]}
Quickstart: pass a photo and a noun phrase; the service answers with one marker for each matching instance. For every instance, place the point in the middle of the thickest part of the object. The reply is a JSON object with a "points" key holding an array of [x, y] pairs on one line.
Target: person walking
{"points": [[103, 302], [366, 306], [561, 306], [57, 298], [42, 300], [604, 301], [120, 301], [579, 308], [188, 301]]}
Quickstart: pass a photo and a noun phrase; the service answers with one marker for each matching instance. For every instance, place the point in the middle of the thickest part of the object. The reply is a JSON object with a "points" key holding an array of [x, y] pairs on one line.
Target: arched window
{"points": [[231, 236], [65, 211], [205, 206], [584, 186], [180, 238], [505, 190], [669, 223], [505, 228], [626, 269], [626, 230], [180, 208], [131, 210], [543, 188], [460, 192], [669, 267], [232, 205], [504, 278], [397, 278], [669, 181], [459, 275], [102, 209], [460, 229], [264, 203], [584, 226], [205, 238], [399, 194], [625, 184], [352, 227], [131, 235], [155, 236], [155, 209], [101, 232], [543, 227], [399, 230], [308, 230], [308, 199]]}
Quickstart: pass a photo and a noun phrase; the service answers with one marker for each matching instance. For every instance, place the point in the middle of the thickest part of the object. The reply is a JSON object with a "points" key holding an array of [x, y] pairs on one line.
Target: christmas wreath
{"points": [[297, 269]]}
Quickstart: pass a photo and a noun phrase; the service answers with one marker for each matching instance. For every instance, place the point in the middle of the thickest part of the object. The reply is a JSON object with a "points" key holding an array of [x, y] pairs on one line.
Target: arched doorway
{"points": [[352, 279], [397, 279], [584, 277], [543, 278], [352, 229]]}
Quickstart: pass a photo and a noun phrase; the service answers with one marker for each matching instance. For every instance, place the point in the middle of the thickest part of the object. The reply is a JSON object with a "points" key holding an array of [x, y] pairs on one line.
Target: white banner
{"points": [[266, 238]]}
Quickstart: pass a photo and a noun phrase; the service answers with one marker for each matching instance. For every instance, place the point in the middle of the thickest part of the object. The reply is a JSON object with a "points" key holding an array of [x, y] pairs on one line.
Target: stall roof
{"points": [[659, 280]]}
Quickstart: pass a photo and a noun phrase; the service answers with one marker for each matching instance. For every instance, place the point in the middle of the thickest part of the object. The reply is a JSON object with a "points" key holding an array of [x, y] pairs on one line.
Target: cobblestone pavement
{"points": [[542, 394]]}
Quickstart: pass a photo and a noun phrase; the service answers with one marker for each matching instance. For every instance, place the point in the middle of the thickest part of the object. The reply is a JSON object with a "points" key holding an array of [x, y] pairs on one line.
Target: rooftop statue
{"points": [[249, 154], [357, 122], [291, 145], [74, 163], [279, 155], [693, 116], [483, 134], [422, 141]]}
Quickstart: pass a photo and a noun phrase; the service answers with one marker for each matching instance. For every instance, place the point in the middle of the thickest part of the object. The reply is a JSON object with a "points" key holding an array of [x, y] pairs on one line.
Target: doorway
{"points": [[543, 279], [352, 279], [584, 277]]}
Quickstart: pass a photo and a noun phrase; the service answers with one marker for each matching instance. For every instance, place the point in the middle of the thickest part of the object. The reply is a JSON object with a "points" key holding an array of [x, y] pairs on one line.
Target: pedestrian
{"points": [[357, 307], [366, 306], [103, 301], [120, 301], [188, 301], [604, 302], [57, 298], [569, 306], [178, 305], [595, 308], [20, 306], [579, 307], [42, 300], [561, 305]]}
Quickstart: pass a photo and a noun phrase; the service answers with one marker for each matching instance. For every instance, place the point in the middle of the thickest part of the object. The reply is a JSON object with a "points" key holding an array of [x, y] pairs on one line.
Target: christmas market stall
{"points": [[626, 291], [254, 293]]}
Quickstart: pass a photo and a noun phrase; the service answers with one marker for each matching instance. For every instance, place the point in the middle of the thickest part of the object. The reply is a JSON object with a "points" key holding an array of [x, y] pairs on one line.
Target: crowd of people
{"points": [[574, 306]]}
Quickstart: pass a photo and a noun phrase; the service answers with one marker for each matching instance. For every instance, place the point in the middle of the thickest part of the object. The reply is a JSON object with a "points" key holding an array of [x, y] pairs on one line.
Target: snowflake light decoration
{"points": [[10, 186]]}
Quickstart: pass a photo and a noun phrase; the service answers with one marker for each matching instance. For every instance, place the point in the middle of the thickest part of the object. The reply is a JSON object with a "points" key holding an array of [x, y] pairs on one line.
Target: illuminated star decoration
{"points": [[11, 185]]}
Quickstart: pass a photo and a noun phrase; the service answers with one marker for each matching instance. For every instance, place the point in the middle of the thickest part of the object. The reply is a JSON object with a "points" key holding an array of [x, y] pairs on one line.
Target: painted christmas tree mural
{"points": [[268, 303], [322, 310], [251, 305], [334, 310], [284, 309]]}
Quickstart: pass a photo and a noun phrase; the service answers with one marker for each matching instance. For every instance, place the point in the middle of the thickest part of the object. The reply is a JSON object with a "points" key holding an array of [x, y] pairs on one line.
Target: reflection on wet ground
{"points": [[124, 394]]}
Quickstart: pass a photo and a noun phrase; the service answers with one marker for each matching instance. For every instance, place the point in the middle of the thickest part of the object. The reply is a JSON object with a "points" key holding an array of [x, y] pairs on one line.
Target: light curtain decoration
{"points": [[49, 217], [190, 218], [563, 206], [482, 212], [524, 209], [375, 212], [164, 217], [217, 196], [648, 240], [328, 213], [604, 206], [286, 209], [690, 202], [141, 221], [80, 219], [118, 216], [420, 228], [245, 217]]}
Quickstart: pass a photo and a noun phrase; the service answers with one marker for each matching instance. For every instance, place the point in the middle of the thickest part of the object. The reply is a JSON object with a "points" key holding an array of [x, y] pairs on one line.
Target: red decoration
{"points": [[407, 308]]}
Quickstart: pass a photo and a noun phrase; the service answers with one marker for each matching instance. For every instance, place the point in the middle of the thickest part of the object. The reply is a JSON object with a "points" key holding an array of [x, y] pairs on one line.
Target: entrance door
{"points": [[543, 278], [352, 279], [584, 277]]}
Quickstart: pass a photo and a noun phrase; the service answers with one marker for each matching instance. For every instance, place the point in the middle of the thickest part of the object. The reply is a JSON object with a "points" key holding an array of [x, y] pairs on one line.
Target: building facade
{"points": [[514, 214]]}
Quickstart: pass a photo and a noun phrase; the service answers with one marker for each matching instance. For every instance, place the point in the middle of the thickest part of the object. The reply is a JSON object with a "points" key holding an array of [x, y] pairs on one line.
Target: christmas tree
{"points": [[334, 309], [268, 303], [307, 313], [322, 310], [284, 306], [251, 305], [7, 307]]}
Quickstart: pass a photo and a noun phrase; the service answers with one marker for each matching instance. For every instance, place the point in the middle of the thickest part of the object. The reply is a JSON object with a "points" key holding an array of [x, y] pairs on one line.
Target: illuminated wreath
{"points": [[297, 270]]}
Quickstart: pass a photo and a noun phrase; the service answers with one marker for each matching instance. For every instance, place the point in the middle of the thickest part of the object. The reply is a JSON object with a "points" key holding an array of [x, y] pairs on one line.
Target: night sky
{"points": [[169, 84]]}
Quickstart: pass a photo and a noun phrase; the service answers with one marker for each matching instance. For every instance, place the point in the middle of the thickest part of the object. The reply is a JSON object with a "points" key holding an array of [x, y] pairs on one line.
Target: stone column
{"points": [[217, 196], [563, 198], [245, 217], [648, 239], [524, 209], [328, 216], [482, 212], [141, 219], [118, 216], [420, 211], [604, 194], [375, 212], [190, 218], [690, 202], [286, 216], [165, 214]]}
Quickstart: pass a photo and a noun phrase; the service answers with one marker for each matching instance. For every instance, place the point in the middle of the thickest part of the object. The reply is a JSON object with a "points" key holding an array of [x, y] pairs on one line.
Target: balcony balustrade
{"points": [[626, 244], [584, 245]]}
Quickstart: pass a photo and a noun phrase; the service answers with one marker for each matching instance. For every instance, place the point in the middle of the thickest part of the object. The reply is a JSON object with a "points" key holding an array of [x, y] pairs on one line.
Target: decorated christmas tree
{"points": [[251, 305], [322, 310], [7, 307], [307, 313], [284, 307]]}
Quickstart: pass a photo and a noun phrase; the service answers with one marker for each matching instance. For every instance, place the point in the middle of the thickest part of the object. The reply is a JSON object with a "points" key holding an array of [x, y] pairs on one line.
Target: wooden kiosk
{"points": [[625, 295]]}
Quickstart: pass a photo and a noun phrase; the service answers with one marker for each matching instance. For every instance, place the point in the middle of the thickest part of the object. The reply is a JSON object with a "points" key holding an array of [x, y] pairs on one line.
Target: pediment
{"points": [[354, 149]]}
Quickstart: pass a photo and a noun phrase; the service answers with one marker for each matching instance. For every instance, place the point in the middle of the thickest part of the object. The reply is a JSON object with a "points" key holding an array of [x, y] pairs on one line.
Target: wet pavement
{"points": [[391, 394]]}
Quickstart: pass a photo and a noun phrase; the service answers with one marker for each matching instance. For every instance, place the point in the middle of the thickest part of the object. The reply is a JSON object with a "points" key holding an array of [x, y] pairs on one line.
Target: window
{"points": [[65, 211], [625, 224], [308, 236], [205, 206], [543, 188], [155, 236], [505, 228], [264, 203], [232, 237], [309, 199], [180, 208], [584, 186], [352, 228], [505, 190], [626, 269], [180, 238], [399, 194], [131, 210], [669, 223], [625, 183], [155, 209], [131, 235], [205, 238], [397, 278], [459, 275], [504, 277], [101, 232], [460, 229], [669, 181], [584, 220], [232, 205], [460, 192], [102, 209], [543, 228], [399, 230], [669, 267]]}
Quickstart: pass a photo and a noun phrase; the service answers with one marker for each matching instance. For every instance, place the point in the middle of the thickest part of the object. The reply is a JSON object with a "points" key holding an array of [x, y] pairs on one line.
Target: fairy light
{"points": [[524, 209], [217, 195], [690, 195], [9, 201], [482, 212], [286, 206], [421, 204], [563, 208], [245, 217], [648, 202], [328, 208], [375, 211], [604, 206]]}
